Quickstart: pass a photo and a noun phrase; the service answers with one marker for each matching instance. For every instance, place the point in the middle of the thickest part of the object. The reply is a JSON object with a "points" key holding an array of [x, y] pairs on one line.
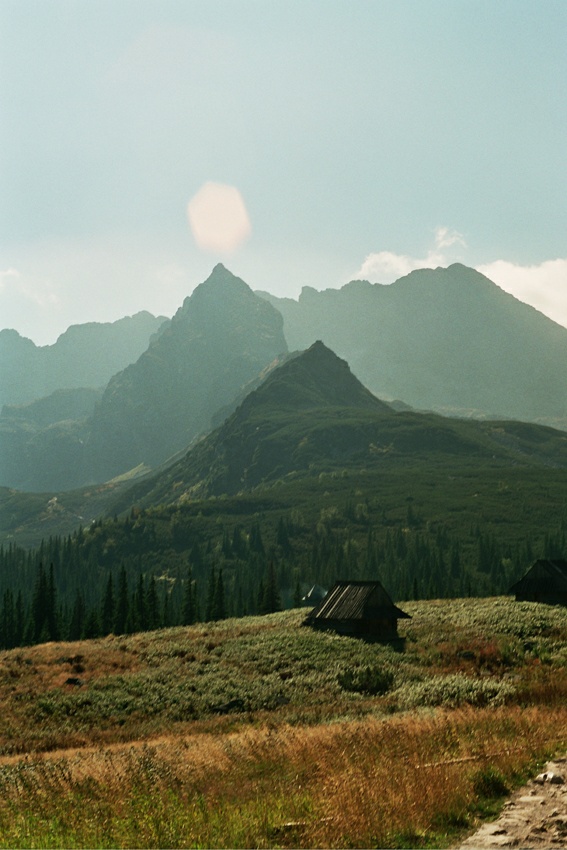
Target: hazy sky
{"points": [[361, 138]]}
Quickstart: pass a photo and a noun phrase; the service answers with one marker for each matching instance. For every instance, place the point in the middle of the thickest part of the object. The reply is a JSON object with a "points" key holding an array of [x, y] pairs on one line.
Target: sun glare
{"points": [[218, 218]]}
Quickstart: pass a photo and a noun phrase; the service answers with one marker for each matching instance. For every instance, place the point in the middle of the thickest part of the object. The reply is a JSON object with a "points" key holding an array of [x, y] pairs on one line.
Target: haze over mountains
{"points": [[221, 337], [84, 356], [444, 339], [447, 340]]}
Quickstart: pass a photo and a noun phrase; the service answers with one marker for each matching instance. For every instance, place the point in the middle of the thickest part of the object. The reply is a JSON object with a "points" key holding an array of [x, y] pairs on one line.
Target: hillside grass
{"points": [[259, 732]]}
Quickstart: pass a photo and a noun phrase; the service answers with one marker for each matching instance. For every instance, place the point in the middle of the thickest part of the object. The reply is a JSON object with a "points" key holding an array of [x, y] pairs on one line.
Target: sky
{"points": [[299, 142]]}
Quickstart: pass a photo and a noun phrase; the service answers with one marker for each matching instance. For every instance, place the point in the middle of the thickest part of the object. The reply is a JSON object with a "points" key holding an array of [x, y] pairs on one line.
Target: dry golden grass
{"points": [[401, 781], [121, 761]]}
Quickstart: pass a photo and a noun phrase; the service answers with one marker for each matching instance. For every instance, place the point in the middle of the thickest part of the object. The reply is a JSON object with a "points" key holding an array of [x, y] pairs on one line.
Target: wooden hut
{"points": [[545, 581], [358, 608]]}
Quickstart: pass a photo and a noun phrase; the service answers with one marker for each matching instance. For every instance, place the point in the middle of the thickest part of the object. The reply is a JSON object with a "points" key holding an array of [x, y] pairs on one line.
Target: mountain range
{"points": [[310, 417], [221, 338], [445, 340]]}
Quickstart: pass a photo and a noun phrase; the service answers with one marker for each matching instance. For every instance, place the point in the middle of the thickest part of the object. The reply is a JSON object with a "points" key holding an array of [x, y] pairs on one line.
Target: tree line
{"points": [[164, 568]]}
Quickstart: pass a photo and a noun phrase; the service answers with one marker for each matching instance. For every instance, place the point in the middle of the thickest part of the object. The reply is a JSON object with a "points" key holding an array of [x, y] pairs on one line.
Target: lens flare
{"points": [[218, 218]]}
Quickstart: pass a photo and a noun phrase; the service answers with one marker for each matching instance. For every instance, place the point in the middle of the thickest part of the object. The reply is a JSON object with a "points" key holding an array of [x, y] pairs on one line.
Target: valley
{"points": [[158, 683]]}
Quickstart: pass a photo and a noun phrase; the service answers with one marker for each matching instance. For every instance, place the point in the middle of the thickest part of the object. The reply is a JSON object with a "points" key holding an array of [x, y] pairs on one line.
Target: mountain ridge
{"points": [[440, 339], [85, 355]]}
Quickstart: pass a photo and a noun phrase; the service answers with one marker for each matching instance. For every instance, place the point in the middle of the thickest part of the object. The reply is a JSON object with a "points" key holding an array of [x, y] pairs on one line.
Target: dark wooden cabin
{"points": [[358, 608], [545, 581]]}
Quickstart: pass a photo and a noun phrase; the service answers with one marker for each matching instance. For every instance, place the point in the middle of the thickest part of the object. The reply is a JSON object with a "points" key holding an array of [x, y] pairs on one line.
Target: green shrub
{"points": [[452, 691], [489, 783], [366, 680]]}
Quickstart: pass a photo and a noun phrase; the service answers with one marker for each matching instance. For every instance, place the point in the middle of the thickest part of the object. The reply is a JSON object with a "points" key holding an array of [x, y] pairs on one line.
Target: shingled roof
{"points": [[546, 578], [357, 600]]}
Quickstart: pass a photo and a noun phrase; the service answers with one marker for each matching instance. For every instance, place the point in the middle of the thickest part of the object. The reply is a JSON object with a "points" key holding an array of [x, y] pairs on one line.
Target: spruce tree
{"points": [[91, 628], [297, 592], [219, 600], [271, 601], [52, 620], [77, 621], [152, 606], [282, 536], [123, 604], [107, 613], [211, 592], [7, 625], [39, 607], [189, 600], [140, 622]]}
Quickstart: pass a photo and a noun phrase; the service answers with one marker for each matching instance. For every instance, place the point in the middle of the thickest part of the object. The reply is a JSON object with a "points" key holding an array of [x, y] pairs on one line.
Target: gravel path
{"points": [[535, 817]]}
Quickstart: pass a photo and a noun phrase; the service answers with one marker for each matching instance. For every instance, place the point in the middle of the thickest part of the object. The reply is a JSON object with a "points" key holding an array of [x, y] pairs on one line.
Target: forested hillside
{"points": [[425, 532]]}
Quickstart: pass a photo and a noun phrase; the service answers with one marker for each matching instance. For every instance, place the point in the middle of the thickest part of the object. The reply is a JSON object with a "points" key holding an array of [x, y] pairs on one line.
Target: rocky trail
{"points": [[534, 817]]}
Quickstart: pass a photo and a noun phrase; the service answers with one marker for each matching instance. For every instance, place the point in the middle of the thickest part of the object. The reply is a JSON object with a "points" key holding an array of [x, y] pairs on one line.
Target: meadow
{"points": [[259, 732]]}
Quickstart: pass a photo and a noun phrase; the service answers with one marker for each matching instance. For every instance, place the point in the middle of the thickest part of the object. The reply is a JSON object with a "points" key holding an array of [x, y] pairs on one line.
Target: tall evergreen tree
{"points": [[122, 604], [189, 613], [91, 628], [271, 600], [152, 605], [220, 599], [211, 592], [107, 613], [140, 622], [51, 616], [77, 621]]}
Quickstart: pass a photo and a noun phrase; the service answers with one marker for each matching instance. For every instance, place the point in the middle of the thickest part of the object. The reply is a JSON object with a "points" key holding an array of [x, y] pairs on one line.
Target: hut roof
{"points": [[552, 571], [357, 600]]}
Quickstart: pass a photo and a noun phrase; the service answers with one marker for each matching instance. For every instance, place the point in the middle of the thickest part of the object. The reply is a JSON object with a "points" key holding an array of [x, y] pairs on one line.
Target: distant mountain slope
{"points": [[84, 356], [444, 339], [42, 440], [58, 406], [312, 415]]}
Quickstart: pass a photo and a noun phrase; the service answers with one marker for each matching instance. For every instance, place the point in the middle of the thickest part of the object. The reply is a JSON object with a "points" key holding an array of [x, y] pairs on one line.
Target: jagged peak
{"points": [[313, 378]]}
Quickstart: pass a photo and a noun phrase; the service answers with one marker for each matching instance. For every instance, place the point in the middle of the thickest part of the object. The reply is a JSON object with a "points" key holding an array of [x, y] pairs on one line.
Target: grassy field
{"points": [[259, 732]]}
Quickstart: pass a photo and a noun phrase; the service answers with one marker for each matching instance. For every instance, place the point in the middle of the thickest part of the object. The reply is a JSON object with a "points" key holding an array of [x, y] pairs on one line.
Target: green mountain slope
{"points": [[448, 340], [310, 420], [312, 415]]}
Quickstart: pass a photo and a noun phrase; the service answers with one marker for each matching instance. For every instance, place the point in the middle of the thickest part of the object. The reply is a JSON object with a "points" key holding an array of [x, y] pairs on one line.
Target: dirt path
{"points": [[535, 817]]}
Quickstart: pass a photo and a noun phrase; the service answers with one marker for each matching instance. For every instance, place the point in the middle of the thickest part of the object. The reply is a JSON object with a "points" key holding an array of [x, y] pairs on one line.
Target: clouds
{"points": [[542, 285], [386, 267], [47, 286], [32, 290]]}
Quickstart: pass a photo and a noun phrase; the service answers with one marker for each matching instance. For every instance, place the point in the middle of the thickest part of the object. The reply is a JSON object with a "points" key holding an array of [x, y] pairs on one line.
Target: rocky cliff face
{"points": [[221, 338]]}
